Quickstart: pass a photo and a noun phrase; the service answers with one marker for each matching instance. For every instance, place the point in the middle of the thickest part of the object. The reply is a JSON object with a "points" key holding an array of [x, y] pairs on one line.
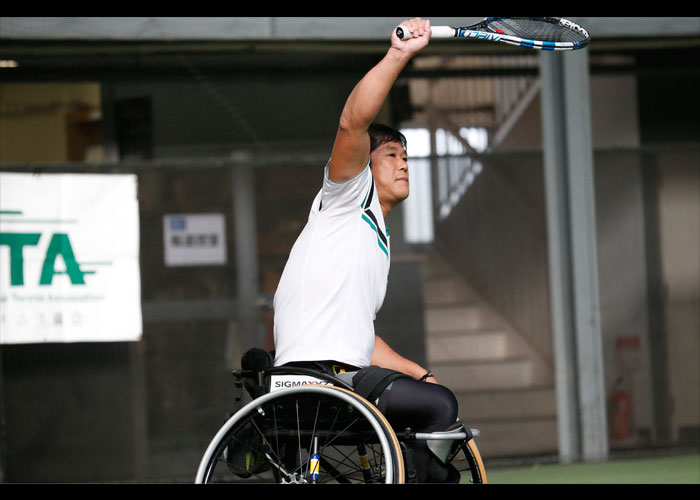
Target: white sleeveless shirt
{"points": [[335, 279]]}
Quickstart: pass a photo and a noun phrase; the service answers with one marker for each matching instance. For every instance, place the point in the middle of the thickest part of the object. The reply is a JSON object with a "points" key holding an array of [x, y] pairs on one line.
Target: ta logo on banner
{"points": [[58, 246]]}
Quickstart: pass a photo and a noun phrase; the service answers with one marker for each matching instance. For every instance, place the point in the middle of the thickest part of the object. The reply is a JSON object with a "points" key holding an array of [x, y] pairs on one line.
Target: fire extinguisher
{"points": [[621, 412]]}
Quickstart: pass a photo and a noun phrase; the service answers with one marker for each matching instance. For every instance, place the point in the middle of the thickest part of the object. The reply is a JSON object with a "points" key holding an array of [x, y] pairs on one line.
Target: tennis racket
{"points": [[540, 33]]}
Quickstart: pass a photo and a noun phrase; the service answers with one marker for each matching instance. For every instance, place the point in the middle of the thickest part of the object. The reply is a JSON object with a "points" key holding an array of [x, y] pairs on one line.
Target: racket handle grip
{"points": [[437, 32]]}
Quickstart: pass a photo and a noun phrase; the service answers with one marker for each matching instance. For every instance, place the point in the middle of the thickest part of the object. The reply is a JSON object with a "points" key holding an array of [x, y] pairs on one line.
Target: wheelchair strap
{"points": [[371, 381]]}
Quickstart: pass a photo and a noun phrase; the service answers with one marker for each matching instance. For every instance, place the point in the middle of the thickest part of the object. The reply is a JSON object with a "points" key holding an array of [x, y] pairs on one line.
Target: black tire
{"points": [[467, 460]]}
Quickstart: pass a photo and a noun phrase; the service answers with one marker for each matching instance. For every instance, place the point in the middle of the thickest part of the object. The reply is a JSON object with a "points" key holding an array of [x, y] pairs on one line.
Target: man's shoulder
{"points": [[350, 193]]}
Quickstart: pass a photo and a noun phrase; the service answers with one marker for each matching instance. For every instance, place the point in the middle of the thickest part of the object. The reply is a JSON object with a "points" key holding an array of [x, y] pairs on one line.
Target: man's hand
{"points": [[420, 36]]}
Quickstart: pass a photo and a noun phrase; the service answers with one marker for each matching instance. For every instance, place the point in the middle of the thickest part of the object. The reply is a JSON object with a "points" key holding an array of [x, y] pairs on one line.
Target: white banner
{"points": [[69, 258]]}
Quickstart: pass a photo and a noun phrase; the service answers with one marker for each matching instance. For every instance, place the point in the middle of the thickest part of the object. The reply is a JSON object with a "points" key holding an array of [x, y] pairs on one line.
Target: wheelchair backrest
{"points": [[259, 375]]}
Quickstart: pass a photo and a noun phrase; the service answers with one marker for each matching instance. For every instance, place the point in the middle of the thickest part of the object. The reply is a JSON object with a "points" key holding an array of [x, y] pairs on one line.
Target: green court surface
{"points": [[683, 469]]}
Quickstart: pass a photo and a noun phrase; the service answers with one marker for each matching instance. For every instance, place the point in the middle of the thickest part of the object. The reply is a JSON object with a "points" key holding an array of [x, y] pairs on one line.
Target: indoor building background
{"points": [[551, 236]]}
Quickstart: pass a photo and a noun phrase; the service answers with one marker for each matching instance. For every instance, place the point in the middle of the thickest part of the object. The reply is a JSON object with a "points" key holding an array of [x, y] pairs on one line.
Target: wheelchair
{"points": [[304, 426]]}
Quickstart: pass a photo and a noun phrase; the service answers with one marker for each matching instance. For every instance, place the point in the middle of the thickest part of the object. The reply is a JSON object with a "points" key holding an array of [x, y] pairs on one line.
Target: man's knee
{"points": [[445, 405]]}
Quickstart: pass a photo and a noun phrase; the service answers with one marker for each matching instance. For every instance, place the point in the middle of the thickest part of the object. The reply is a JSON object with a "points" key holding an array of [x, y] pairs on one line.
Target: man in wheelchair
{"points": [[335, 279]]}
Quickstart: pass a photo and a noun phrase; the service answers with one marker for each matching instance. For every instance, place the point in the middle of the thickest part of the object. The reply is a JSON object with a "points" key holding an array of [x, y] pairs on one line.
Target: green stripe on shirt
{"points": [[376, 230]]}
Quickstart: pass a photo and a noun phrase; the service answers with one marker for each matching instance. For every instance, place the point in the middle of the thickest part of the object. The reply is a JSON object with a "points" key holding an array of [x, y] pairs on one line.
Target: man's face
{"points": [[390, 172]]}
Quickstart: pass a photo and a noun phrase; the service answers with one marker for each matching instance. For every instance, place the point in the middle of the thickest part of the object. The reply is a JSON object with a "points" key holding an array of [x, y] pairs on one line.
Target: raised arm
{"points": [[351, 147]]}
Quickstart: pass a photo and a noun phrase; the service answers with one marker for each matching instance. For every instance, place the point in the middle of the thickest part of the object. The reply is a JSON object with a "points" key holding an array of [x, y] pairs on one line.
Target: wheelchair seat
{"points": [[261, 376]]}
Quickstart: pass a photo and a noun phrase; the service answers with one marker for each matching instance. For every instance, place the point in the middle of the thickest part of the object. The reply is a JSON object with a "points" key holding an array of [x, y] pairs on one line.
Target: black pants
{"points": [[424, 407], [408, 403]]}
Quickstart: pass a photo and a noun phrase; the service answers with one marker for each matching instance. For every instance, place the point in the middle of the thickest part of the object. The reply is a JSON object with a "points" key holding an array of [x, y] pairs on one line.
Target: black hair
{"points": [[380, 134]]}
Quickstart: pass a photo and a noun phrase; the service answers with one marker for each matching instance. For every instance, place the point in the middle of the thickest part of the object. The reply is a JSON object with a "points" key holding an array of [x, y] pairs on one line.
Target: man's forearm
{"points": [[386, 357], [368, 96]]}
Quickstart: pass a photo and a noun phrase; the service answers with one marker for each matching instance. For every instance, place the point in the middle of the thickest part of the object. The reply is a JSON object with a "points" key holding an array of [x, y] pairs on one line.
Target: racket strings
{"points": [[535, 30]]}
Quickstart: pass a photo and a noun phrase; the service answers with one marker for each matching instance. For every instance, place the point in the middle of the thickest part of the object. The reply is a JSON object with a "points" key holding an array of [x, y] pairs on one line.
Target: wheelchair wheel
{"points": [[307, 434], [467, 460]]}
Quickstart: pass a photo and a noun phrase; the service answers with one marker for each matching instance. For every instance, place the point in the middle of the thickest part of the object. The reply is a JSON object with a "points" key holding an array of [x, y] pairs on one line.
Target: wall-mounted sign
{"points": [[69, 258], [194, 239]]}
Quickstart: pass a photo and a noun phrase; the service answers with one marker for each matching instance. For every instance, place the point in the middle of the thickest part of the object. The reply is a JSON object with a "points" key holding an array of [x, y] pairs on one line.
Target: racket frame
{"points": [[476, 31]]}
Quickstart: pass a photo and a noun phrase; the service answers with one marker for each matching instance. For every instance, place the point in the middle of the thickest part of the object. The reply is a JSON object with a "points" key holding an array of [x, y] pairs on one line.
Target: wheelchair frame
{"points": [[370, 428]]}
